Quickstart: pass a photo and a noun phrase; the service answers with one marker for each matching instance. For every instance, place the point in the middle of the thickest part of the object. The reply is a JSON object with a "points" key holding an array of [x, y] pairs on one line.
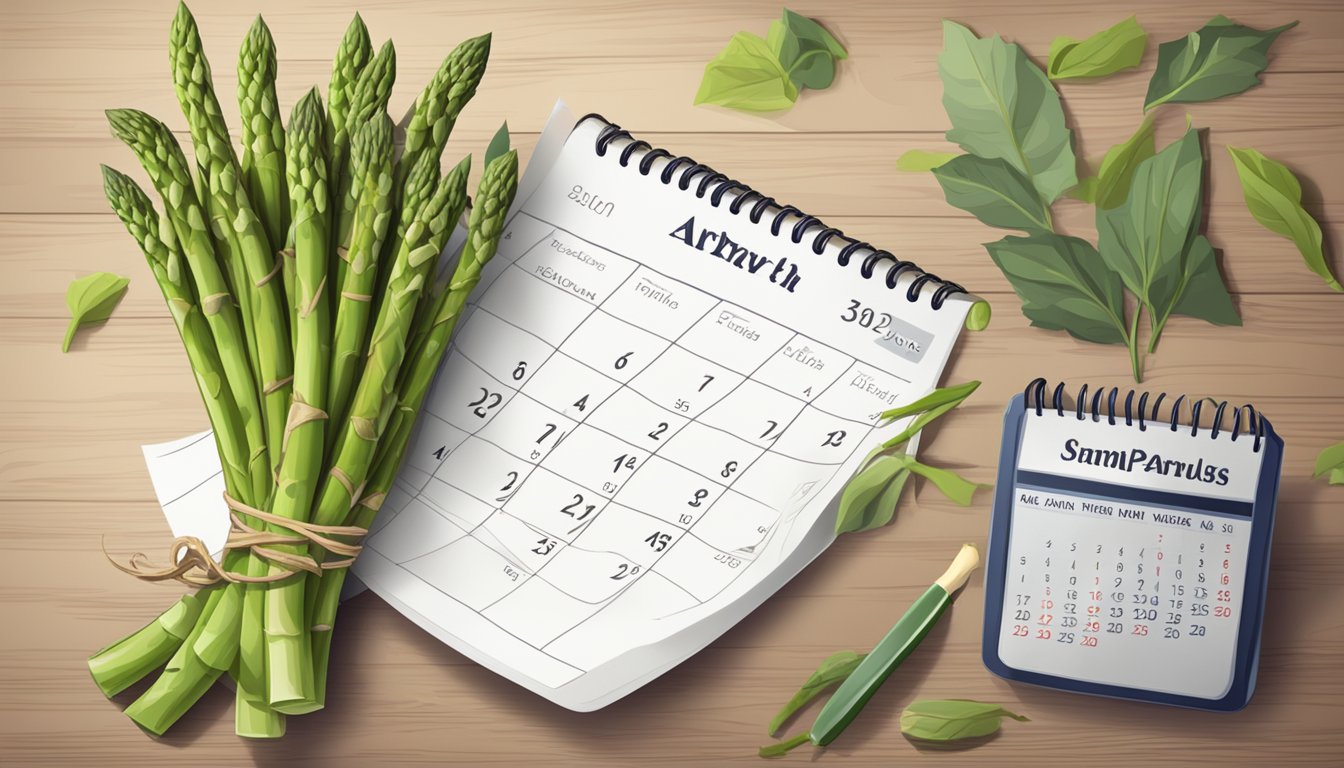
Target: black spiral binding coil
{"points": [[718, 185], [1036, 391]]}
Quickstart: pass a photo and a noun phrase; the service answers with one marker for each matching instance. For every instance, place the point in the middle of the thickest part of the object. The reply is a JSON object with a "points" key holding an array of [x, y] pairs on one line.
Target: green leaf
{"points": [[1002, 105], [747, 76], [1144, 238], [994, 192], [810, 32], [953, 395], [1331, 461], [1105, 53], [1221, 59], [832, 671], [805, 50], [855, 513], [91, 299], [922, 160], [1064, 285], [1198, 289], [1110, 187], [1274, 196], [953, 486], [951, 719], [498, 145]]}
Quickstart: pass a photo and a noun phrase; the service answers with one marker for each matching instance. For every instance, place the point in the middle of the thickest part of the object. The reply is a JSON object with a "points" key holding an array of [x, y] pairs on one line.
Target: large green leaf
{"points": [[922, 160], [1064, 285], [1002, 105], [1110, 187], [746, 75], [1221, 59], [1105, 53], [1275, 198], [1144, 238], [1330, 462], [994, 192]]}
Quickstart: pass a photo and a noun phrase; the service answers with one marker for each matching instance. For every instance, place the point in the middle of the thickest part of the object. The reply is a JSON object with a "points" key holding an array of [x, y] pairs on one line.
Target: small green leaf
{"points": [[1331, 462], [1221, 59], [953, 486], [994, 192], [811, 32], [91, 299], [1002, 105], [862, 490], [1064, 285], [1102, 54], [832, 671], [747, 76], [922, 160], [952, 395], [951, 719], [1110, 187], [498, 145], [1274, 196]]}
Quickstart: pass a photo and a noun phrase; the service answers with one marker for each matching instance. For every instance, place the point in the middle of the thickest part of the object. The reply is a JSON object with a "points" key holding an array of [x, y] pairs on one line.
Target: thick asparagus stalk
{"points": [[372, 163], [162, 158], [288, 649], [493, 198], [235, 222], [352, 56], [437, 107], [119, 665], [212, 644], [263, 162]]}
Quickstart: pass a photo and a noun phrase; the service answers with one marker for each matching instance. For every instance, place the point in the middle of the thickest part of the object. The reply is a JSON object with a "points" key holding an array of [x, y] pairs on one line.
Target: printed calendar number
{"points": [[488, 401]]}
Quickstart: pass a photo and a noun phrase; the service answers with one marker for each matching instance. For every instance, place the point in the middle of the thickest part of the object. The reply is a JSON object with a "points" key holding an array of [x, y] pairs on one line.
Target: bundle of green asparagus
{"points": [[301, 278]]}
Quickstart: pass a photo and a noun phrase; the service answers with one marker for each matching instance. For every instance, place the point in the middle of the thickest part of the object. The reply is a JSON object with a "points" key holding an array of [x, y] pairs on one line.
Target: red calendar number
{"points": [[1020, 630], [1140, 630], [1090, 642], [1042, 634], [1222, 611]]}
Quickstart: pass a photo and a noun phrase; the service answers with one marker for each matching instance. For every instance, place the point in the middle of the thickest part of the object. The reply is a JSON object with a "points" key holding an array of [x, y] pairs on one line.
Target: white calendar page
{"points": [[1108, 584], [634, 442]]}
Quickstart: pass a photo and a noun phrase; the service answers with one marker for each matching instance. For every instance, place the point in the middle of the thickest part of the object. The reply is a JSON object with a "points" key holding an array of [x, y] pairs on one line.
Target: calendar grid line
{"points": [[653, 565], [651, 454]]}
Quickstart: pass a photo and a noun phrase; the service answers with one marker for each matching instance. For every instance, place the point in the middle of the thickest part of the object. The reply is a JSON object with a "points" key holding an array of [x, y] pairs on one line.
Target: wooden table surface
{"points": [[72, 478]]}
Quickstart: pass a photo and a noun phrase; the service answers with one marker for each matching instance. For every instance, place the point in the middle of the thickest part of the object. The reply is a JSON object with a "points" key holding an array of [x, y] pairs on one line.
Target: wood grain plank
{"points": [[786, 166], [641, 64]]}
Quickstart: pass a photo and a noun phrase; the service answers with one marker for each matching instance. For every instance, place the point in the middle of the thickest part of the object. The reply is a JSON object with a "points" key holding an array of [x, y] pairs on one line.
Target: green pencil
{"points": [[900, 641]]}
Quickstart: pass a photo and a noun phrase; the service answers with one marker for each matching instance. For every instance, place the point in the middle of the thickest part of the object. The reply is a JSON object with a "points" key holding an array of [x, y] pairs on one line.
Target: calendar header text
{"points": [[1137, 459], [721, 245]]}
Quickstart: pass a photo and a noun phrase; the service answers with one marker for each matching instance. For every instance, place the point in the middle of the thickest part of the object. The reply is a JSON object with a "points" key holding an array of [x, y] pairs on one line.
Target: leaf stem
{"points": [[1132, 339], [1158, 325]]}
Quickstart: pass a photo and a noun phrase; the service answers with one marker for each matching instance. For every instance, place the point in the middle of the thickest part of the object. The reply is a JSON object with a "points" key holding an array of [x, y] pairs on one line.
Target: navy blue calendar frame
{"points": [[1253, 604]]}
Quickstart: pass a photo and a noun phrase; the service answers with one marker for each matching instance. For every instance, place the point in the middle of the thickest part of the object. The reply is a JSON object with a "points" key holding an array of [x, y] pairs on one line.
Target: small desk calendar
{"points": [[1128, 556], [661, 384]]}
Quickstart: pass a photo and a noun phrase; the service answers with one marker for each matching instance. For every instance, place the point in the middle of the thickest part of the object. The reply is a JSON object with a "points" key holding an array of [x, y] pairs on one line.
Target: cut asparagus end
{"points": [[120, 665], [963, 565]]}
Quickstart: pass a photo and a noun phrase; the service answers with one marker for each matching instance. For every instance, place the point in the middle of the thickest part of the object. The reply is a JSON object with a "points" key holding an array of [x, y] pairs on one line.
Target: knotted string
{"points": [[194, 565]]}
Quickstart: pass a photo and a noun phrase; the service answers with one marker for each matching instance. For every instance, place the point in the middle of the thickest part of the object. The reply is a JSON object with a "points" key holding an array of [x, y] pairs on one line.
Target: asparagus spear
{"points": [[288, 663], [263, 162], [368, 97], [372, 163], [121, 664], [437, 107], [213, 642], [235, 221], [352, 56], [162, 158], [493, 198]]}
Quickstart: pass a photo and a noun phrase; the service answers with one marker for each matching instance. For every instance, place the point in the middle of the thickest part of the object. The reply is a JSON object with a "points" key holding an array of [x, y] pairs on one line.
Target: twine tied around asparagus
{"points": [[193, 564]]}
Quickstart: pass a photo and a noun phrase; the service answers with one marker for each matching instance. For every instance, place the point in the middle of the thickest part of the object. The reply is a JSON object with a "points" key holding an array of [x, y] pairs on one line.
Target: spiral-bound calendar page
{"points": [[639, 429]]}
